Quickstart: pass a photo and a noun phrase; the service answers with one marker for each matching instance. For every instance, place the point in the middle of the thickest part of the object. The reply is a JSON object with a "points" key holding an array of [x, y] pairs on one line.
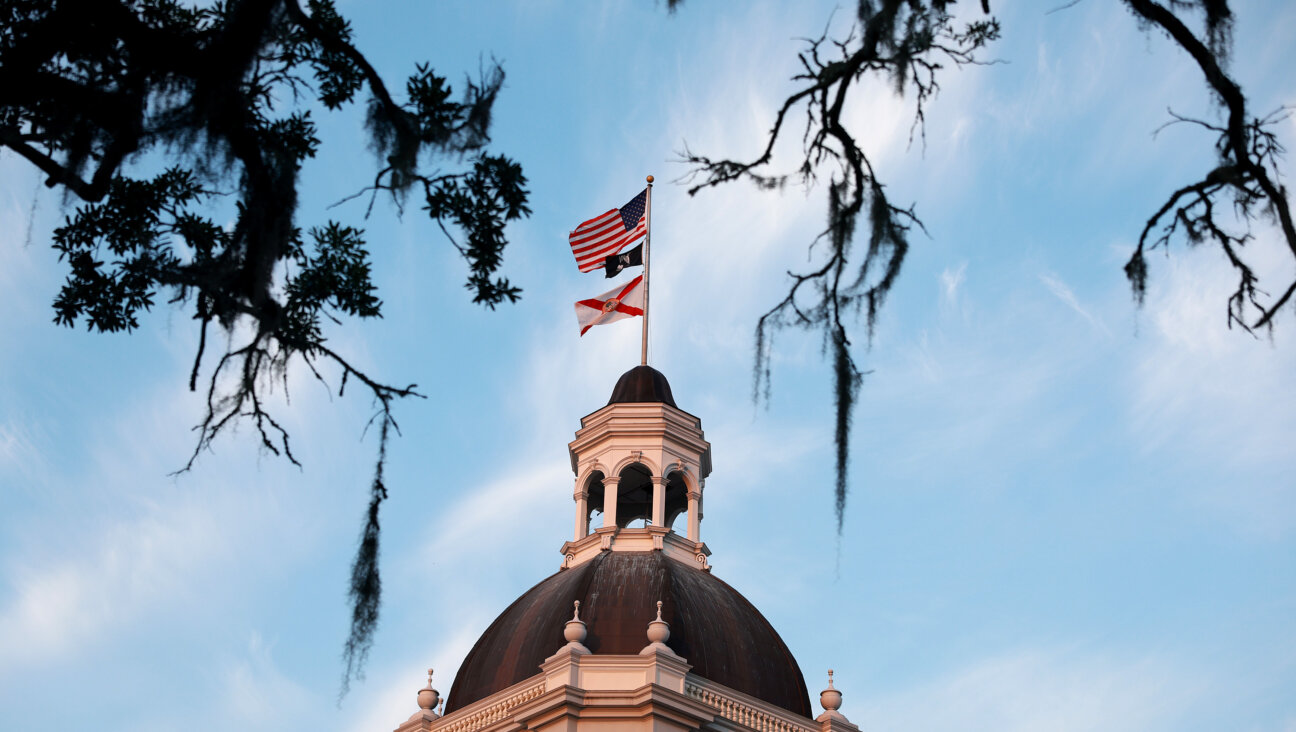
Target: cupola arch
{"points": [[636, 459], [589, 496], [636, 489]]}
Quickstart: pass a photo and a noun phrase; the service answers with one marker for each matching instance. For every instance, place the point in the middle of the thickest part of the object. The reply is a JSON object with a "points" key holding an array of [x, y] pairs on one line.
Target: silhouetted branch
{"points": [[908, 44], [1247, 171]]}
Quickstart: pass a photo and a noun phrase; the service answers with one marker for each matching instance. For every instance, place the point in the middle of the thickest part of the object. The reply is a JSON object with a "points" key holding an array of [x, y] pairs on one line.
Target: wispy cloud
{"points": [[506, 501], [122, 544], [1215, 398], [951, 280], [257, 695], [1063, 292], [1042, 689], [390, 696], [18, 454], [65, 604]]}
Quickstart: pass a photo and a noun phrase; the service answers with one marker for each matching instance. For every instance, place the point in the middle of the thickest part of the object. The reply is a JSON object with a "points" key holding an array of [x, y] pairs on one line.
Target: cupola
{"points": [[641, 463]]}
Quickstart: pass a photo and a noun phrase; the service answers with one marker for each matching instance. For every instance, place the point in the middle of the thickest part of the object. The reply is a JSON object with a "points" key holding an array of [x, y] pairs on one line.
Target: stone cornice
{"points": [[574, 690], [640, 408], [593, 672], [648, 427], [650, 538]]}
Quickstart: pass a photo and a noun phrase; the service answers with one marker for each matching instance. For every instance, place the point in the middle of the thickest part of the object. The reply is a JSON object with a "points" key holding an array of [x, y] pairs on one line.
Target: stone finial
{"points": [[831, 700], [658, 634], [575, 632], [428, 698]]}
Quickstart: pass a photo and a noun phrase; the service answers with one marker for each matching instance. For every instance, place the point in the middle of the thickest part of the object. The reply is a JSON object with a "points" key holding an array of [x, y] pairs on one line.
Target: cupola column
{"points": [[581, 496], [695, 513], [659, 501], [610, 501]]}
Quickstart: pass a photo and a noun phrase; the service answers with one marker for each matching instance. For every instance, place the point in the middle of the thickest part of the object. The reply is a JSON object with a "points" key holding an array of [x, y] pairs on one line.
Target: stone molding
{"points": [[838, 723], [594, 672], [585, 691], [656, 435], [646, 539]]}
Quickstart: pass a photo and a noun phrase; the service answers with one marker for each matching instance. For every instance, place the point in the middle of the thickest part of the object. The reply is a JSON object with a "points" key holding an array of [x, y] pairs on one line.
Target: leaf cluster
{"points": [[93, 90]]}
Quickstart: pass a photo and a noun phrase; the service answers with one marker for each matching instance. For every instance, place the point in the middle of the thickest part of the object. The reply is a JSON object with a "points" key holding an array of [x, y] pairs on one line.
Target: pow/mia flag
{"points": [[616, 262]]}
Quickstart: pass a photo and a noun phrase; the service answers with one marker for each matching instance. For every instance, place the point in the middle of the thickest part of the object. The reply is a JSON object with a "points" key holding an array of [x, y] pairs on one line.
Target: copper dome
{"points": [[642, 384], [712, 626]]}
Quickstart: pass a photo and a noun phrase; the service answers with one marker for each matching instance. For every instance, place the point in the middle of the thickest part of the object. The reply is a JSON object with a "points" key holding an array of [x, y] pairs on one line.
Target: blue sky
{"points": [[1066, 513]]}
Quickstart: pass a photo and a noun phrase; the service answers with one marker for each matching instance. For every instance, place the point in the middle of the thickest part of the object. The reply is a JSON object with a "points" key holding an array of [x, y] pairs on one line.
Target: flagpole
{"points": [[643, 358]]}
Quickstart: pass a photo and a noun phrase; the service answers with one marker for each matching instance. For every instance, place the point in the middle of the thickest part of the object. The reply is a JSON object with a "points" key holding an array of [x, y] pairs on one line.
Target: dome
{"points": [[712, 626], [642, 384]]}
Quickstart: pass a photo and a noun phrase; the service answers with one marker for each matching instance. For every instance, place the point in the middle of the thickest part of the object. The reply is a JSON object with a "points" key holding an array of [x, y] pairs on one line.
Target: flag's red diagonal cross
{"points": [[627, 309], [617, 305], [620, 306]]}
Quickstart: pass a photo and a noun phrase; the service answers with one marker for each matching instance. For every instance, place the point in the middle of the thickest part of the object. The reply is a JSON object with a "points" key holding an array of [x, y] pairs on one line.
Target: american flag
{"points": [[601, 236]]}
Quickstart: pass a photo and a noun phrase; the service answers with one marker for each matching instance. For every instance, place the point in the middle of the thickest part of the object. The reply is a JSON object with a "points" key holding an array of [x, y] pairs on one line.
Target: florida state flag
{"points": [[623, 302]]}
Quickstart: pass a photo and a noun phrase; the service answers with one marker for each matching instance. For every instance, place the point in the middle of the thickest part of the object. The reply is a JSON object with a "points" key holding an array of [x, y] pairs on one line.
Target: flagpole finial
{"points": [[650, 179]]}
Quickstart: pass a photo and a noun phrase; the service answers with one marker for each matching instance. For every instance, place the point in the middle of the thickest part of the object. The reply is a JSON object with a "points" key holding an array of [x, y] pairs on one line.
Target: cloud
{"points": [[1033, 689], [951, 280], [62, 605], [390, 697], [257, 695], [1214, 400], [19, 455], [506, 501], [117, 543], [1064, 293]]}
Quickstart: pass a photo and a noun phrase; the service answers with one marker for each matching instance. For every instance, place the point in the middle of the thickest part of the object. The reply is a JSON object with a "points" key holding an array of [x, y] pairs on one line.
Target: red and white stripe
{"points": [[602, 236]]}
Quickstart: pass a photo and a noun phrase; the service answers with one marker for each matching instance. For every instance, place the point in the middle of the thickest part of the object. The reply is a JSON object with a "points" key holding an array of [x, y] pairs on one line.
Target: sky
{"points": [[1066, 512]]}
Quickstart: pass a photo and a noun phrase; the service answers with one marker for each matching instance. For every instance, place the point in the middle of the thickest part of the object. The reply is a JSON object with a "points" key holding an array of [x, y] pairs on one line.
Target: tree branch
{"points": [[1247, 150]]}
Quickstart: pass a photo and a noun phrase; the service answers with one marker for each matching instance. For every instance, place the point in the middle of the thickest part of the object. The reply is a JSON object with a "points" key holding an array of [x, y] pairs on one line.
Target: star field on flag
{"points": [[594, 240]]}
